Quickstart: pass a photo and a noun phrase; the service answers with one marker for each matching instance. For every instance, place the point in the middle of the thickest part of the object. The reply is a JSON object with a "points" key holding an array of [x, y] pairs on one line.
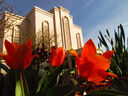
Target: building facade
{"points": [[39, 24]]}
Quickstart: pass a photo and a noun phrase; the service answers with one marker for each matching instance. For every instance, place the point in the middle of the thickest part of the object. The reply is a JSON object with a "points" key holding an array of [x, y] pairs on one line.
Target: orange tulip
{"points": [[57, 56], [18, 57], [92, 66]]}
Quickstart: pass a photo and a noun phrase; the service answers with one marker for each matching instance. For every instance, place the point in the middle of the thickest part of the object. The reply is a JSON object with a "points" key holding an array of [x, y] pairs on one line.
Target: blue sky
{"points": [[91, 15]]}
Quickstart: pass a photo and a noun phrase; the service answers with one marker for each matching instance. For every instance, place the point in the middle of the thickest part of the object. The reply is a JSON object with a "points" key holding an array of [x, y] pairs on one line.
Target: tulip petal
{"points": [[99, 62], [9, 47], [108, 54], [52, 49], [18, 56], [57, 57], [85, 70], [88, 49], [73, 52], [91, 66], [22, 56], [95, 78], [15, 45], [52, 54], [63, 54], [1, 55], [112, 74], [30, 60], [101, 75], [97, 75], [7, 60], [90, 73]]}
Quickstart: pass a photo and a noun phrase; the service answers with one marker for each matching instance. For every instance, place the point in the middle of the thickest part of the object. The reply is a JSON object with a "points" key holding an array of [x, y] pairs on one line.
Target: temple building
{"points": [[39, 24]]}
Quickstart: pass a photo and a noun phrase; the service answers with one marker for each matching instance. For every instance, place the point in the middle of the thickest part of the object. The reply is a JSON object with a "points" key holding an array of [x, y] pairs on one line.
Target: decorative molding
{"points": [[35, 8], [78, 38], [54, 9], [43, 11], [71, 16], [76, 26], [14, 15], [63, 9]]}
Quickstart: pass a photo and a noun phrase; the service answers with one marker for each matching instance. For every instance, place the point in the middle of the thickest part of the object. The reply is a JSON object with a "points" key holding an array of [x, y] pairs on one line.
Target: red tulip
{"points": [[18, 57], [92, 66], [57, 56]]}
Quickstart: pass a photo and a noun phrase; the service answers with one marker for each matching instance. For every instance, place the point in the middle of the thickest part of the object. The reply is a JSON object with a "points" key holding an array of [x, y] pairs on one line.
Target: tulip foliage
{"points": [[29, 76], [119, 61], [118, 44]]}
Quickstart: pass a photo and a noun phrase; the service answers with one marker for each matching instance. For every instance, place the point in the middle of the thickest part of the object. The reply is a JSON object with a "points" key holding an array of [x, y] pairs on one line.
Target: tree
{"points": [[43, 45]]}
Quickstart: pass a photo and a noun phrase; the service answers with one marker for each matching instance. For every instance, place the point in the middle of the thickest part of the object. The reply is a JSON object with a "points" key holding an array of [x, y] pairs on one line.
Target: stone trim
{"points": [[54, 9], [43, 11], [35, 8], [63, 9], [76, 26], [13, 15]]}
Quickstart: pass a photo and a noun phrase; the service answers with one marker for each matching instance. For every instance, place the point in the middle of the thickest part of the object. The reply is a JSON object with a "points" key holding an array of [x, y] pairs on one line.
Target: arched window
{"points": [[13, 34], [45, 33], [78, 40], [67, 36], [16, 34]]}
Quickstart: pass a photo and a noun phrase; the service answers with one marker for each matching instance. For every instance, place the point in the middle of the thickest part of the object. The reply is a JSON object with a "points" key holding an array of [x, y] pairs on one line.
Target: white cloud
{"points": [[87, 3]]}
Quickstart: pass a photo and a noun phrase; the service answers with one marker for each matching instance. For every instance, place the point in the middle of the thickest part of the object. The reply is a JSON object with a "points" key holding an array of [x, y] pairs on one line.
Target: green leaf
{"points": [[115, 66], [59, 90], [52, 78], [119, 61], [108, 33], [41, 81], [4, 67], [18, 89], [122, 32], [102, 40], [26, 89], [21, 85], [112, 44], [122, 37]]}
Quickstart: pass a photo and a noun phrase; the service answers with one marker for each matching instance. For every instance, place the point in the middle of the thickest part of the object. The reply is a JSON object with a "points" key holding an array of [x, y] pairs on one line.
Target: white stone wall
{"points": [[28, 27], [77, 29], [43, 16], [31, 26], [57, 25]]}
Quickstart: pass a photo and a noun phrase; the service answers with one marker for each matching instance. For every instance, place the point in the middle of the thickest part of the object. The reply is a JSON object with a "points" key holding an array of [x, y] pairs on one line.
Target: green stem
{"points": [[21, 81]]}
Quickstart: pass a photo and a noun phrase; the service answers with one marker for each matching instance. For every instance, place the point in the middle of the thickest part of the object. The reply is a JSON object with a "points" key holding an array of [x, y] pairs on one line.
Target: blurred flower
{"points": [[77, 93], [57, 56], [18, 57], [92, 66]]}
